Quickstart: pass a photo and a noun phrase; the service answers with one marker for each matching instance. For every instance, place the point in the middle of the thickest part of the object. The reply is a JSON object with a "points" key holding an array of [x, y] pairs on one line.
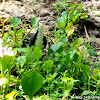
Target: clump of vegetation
{"points": [[62, 74]]}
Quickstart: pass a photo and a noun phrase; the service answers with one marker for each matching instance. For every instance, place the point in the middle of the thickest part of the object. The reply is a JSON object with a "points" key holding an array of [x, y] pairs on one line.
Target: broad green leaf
{"points": [[14, 21], [34, 21], [19, 32], [69, 29], [37, 53], [78, 42], [64, 14], [7, 61], [30, 58], [92, 52], [61, 22], [55, 47], [3, 66], [85, 68], [31, 83], [47, 66]]}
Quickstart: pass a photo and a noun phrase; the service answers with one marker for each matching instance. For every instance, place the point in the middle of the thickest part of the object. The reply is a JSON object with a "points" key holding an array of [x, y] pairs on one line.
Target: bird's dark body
{"points": [[33, 40]]}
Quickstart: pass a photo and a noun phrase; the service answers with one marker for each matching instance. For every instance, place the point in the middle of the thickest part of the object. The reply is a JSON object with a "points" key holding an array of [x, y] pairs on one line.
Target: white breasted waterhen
{"points": [[39, 39]]}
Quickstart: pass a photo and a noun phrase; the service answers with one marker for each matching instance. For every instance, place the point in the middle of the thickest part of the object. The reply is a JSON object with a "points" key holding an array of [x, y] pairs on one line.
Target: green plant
{"points": [[70, 17], [65, 70], [19, 35], [6, 62]]}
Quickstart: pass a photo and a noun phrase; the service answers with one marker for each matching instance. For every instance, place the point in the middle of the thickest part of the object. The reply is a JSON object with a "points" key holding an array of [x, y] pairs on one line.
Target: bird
{"points": [[38, 39]]}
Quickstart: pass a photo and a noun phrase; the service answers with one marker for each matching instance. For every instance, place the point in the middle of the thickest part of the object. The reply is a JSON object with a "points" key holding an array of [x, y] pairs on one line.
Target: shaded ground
{"points": [[45, 9]]}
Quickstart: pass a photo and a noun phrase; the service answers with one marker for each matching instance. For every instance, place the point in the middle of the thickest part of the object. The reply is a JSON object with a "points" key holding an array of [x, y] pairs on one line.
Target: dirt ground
{"points": [[46, 9]]}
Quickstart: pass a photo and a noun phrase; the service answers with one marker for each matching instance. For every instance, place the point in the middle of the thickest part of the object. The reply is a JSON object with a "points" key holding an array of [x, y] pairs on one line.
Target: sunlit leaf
{"points": [[14, 21], [11, 95], [84, 15], [95, 71], [7, 61], [47, 66], [34, 21], [78, 42], [64, 14], [31, 83], [69, 29], [61, 22], [37, 53]]}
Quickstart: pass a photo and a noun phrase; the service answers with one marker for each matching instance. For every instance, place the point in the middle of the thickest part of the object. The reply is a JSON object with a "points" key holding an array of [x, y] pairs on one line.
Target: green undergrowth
{"points": [[63, 74]]}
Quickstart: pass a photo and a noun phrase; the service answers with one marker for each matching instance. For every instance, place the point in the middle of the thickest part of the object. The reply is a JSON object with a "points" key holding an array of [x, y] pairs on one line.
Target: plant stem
{"points": [[27, 33], [15, 33], [8, 80]]}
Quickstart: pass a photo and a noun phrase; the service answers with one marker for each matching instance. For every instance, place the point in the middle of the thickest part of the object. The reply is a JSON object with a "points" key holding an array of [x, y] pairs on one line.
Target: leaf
{"points": [[98, 66], [37, 53], [30, 58], [95, 71], [78, 42], [84, 15], [3, 66], [61, 22], [31, 83], [11, 95], [7, 62], [92, 52], [69, 29], [26, 50], [72, 53], [22, 60], [34, 21], [14, 21], [19, 32], [64, 14], [55, 47], [47, 66], [85, 68]]}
